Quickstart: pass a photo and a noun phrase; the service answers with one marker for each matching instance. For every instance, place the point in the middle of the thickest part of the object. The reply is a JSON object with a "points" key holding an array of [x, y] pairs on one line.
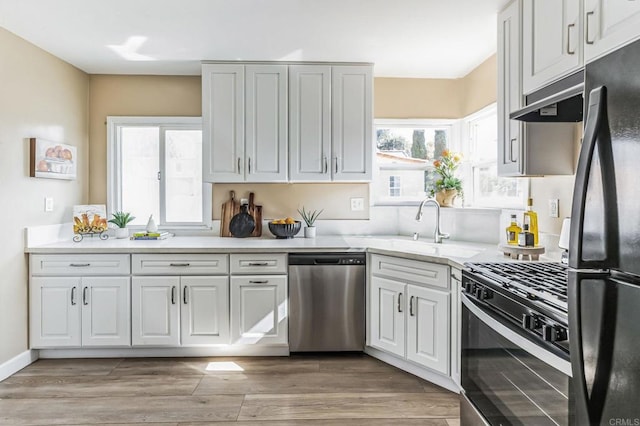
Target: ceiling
{"points": [[404, 38]]}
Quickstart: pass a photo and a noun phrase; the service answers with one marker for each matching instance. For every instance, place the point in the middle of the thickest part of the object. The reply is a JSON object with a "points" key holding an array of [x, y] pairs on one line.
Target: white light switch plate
{"points": [[48, 204], [554, 208], [357, 204]]}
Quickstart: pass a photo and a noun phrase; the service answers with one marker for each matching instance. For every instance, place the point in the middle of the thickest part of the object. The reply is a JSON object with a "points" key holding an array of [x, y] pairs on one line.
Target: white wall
{"points": [[40, 96]]}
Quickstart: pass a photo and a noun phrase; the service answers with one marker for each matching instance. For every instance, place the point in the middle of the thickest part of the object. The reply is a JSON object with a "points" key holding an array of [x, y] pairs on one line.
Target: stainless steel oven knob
{"points": [[530, 322], [468, 287], [554, 333]]}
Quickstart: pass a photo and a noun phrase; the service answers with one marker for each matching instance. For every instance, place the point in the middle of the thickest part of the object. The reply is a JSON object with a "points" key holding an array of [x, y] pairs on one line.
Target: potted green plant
{"points": [[309, 218], [121, 219], [448, 186]]}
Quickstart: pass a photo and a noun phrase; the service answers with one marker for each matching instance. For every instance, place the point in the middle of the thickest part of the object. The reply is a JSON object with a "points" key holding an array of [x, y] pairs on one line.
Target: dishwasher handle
{"points": [[320, 259]]}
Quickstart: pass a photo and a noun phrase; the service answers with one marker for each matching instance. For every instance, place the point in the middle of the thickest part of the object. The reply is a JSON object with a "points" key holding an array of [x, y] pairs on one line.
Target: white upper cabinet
{"points": [[510, 132], [352, 125], [310, 122], [287, 123], [223, 122], [609, 25], [244, 110], [266, 123], [551, 41]]}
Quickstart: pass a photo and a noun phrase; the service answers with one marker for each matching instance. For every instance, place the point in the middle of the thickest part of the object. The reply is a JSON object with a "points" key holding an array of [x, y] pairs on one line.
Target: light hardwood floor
{"points": [[297, 390]]}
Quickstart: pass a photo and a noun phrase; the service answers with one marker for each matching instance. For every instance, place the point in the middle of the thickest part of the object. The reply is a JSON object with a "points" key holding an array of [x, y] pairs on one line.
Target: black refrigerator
{"points": [[604, 248]]}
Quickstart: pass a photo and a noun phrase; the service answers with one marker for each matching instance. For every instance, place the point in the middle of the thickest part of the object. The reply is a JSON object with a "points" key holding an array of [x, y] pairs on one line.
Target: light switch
{"points": [[48, 204], [554, 208], [357, 204]]}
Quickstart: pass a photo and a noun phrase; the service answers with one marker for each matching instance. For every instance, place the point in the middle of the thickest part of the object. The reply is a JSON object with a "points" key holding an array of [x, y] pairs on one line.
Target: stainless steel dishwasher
{"points": [[326, 302]]}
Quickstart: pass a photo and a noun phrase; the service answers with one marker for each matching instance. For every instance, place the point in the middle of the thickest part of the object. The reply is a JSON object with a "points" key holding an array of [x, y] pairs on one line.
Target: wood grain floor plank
{"points": [[349, 406], [353, 362], [453, 422], [316, 382], [171, 409], [70, 367], [339, 422], [87, 386], [199, 366]]}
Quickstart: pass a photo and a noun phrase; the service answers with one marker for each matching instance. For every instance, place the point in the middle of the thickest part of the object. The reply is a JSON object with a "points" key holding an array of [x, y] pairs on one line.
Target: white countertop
{"points": [[454, 253]]}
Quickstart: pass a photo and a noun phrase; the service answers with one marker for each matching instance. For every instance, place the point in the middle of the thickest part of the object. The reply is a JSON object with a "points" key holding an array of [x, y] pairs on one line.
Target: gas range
{"points": [[532, 296]]}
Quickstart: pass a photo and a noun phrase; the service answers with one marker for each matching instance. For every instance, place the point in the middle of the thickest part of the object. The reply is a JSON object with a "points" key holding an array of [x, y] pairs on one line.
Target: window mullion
{"points": [[163, 176]]}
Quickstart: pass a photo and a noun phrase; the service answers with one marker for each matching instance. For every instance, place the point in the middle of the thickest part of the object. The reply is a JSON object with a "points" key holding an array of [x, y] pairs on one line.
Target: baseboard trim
{"points": [[138, 352], [17, 363], [424, 373]]}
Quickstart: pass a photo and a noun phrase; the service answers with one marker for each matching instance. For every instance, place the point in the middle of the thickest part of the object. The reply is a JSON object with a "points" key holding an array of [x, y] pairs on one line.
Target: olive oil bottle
{"points": [[531, 218], [512, 231]]}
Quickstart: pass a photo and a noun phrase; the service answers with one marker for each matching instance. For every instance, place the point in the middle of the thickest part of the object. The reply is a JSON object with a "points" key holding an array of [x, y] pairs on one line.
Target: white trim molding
{"points": [[158, 352], [17, 363]]}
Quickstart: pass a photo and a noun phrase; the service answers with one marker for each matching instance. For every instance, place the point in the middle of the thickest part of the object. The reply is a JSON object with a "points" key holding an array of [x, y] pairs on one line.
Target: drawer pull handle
{"points": [[179, 264], [326, 165], [73, 296], [184, 295], [84, 296], [258, 282], [587, 31], [569, 51], [79, 265], [173, 295], [411, 306], [258, 263], [400, 302]]}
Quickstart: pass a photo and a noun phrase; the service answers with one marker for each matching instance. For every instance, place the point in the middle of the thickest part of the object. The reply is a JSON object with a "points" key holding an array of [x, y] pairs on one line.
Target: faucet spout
{"points": [[437, 235]]}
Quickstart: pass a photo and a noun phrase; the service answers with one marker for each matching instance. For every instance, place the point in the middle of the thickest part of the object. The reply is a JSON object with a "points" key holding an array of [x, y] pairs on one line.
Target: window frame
{"points": [[454, 131], [114, 164]]}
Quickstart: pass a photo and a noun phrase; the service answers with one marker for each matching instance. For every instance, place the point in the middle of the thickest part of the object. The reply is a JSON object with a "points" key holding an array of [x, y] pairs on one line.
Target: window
{"points": [[394, 186], [405, 151], [155, 168], [482, 186]]}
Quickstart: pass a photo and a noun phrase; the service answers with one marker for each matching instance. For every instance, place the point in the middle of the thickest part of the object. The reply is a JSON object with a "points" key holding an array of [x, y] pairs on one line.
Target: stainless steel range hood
{"points": [[560, 102]]}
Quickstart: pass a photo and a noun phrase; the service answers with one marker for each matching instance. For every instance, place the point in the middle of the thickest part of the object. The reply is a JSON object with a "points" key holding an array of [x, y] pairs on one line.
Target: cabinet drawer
{"points": [[424, 273], [79, 264], [180, 264], [254, 263]]}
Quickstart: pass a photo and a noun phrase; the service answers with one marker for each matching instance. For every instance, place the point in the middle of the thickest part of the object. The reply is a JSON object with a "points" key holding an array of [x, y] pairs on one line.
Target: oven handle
{"points": [[522, 342]]}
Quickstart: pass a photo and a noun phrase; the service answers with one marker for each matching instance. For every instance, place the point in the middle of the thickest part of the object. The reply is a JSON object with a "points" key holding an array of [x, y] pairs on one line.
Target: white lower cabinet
{"points": [[409, 320], [79, 311], [259, 309], [175, 311]]}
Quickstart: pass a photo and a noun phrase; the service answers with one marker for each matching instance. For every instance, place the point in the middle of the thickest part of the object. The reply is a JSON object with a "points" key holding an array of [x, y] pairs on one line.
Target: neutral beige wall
{"points": [[113, 95], [417, 98], [479, 87], [44, 97]]}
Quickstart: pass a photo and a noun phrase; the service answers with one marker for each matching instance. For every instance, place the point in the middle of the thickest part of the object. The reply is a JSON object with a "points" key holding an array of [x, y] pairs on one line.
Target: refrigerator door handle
{"points": [[597, 105]]}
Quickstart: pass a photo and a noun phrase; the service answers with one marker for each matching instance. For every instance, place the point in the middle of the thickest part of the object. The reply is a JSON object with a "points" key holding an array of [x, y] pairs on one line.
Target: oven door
{"points": [[506, 378]]}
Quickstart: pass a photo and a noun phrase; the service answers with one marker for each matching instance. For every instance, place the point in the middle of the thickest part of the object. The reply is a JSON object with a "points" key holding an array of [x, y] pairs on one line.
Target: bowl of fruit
{"points": [[285, 228]]}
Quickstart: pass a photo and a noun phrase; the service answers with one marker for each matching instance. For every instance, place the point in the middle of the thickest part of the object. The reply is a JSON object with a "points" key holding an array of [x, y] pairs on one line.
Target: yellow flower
{"points": [[445, 153], [456, 158], [436, 164]]}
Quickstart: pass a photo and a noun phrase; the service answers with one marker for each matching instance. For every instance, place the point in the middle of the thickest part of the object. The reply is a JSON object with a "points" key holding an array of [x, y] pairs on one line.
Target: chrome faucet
{"points": [[437, 235]]}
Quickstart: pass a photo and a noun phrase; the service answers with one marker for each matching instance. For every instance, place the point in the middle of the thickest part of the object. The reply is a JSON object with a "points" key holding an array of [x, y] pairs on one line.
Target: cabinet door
{"points": [[106, 311], [223, 122], [510, 132], [259, 309], [309, 123], [266, 123], [155, 312], [428, 328], [551, 41], [388, 299], [54, 312], [352, 122], [204, 315], [609, 25]]}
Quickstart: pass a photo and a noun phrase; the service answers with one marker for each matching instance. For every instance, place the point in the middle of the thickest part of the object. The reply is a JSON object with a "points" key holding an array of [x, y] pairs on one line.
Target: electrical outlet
{"points": [[554, 208], [48, 204], [357, 204]]}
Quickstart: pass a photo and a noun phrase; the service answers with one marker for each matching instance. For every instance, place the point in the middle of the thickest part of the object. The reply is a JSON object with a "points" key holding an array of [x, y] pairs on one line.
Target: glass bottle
{"points": [[531, 218], [512, 231]]}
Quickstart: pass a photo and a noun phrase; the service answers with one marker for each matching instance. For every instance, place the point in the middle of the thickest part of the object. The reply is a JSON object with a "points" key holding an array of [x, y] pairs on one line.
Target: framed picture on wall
{"points": [[52, 160]]}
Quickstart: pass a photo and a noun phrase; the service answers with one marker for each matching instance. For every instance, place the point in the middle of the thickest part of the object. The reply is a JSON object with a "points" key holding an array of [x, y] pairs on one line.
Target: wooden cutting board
{"points": [[231, 207]]}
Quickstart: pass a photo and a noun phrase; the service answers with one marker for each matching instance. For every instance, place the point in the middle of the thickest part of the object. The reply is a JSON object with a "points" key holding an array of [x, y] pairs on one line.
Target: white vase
{"points": [[151, 225], [310, 232], [122, 232]]}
